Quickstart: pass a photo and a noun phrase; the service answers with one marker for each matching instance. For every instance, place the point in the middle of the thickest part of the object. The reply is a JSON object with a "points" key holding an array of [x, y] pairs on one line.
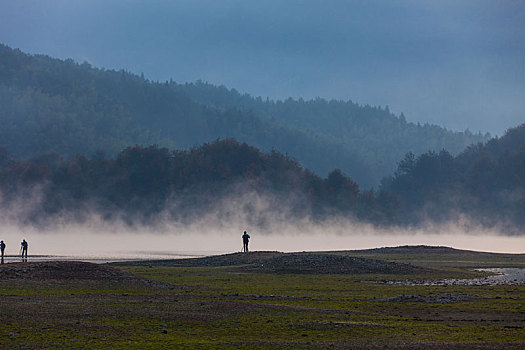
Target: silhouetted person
{"points": [[24, 249], [245, 240], [2, 248]]}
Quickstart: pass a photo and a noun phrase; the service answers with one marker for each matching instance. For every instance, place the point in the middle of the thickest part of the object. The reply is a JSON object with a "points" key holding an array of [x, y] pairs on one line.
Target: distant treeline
{"points": [[65, 125], [143, 182], [486, 183], [374, 135], [51, 105]]}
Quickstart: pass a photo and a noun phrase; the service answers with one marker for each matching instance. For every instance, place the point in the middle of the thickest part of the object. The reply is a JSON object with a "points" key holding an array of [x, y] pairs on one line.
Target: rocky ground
{"points": [[296, 263], [443, 298], [63, 270], [38, 274]]}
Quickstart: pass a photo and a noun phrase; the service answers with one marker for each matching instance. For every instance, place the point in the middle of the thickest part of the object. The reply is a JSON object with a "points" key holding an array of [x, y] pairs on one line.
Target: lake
{"points": [[116, 243]]}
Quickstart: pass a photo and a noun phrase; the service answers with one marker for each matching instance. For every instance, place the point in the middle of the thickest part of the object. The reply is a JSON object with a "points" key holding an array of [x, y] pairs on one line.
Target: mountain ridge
{"points": [[69, 108]]}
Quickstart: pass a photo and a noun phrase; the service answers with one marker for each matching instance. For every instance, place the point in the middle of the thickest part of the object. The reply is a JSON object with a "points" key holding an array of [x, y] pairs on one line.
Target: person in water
{"points": [[245, 241], [2, 248], [24, 248]]}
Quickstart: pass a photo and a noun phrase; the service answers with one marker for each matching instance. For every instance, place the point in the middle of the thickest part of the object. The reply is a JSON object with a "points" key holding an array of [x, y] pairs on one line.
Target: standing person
{"points": [[24, 249], [245, 240], [2, 248]]}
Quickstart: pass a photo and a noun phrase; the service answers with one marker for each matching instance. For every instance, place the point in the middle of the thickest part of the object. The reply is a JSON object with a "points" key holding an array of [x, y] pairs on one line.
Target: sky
{"points": [[457, 64]]}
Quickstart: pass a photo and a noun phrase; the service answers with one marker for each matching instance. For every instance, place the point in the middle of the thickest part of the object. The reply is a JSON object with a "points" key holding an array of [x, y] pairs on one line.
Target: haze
{"points": [[458, 64], [112, 241]]}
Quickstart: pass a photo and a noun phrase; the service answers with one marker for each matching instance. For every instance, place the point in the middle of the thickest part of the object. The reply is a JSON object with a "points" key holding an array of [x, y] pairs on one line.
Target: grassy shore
{"points": [[234, 302]]}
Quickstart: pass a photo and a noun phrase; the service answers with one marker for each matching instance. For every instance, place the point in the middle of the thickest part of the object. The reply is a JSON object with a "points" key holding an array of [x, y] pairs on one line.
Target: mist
{"points": [[108, 241], [214, 225], [456, 64]]}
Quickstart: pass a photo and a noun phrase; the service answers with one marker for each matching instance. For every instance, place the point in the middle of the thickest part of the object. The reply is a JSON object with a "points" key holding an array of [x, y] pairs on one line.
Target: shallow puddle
{"points": [[501, 276]]}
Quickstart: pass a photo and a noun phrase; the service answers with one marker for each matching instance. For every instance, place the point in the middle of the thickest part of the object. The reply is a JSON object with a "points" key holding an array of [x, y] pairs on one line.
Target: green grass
{"points": [[222, 308]]}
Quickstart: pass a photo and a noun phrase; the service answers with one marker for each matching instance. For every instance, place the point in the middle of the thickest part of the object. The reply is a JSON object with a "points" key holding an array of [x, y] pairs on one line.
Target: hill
{"points": [[439, 256], [50, 105], [291, 263], [486, 183], [145, 184], [376, 135]]}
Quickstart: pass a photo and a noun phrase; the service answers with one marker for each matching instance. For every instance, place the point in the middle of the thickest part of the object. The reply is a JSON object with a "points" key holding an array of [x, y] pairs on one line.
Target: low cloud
{"points": [[271, 221]]}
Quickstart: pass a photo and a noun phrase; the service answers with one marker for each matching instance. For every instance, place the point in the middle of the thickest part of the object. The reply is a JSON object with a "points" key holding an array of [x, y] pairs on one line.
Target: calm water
{"points": [[101, 243], [505, 275], [108, 245], [110, 257], [499, 276]]}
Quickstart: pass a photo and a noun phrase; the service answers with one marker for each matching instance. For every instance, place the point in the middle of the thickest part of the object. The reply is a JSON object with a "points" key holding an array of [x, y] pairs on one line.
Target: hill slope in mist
{"points": [[50, 105], [378, 136], [486, 182], [224, 179]]}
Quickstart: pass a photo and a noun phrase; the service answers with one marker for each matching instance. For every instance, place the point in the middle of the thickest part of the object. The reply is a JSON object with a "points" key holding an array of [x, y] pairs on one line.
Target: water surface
{"points": [[100, 243]]}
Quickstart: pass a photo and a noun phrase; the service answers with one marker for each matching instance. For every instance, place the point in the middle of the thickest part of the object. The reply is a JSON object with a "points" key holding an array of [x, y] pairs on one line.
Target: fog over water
{"points": [[115, 242]]}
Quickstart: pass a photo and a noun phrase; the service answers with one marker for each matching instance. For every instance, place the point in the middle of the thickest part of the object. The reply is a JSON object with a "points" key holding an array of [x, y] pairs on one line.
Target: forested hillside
{"points": [[145, 184], [485, 182], [379, 137], [50, 105]]}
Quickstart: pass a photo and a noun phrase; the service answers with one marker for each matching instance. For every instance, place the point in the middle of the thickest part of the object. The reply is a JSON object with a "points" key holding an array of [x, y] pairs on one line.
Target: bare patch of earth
{"points": [[73, 272], [332, 264], [399, 346], [443, 298], [63, 270]]}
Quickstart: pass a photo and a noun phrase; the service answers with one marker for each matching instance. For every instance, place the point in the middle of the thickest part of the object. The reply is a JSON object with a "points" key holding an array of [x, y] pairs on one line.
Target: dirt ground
{"points": [[266, 300], [303, 263]]}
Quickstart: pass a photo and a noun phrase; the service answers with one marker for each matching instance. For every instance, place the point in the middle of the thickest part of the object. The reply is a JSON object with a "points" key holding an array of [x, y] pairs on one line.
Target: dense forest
{"points": [[76, 140], [376, 135], [51, 105], [144, 184], [485, 183]]}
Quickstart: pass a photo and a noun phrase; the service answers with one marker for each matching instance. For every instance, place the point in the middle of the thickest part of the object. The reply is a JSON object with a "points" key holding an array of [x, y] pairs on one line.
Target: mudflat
{"points": [[348, 299]]}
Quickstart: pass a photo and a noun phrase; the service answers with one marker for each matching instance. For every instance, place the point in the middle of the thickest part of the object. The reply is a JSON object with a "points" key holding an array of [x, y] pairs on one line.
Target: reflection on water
{"points": [[499, 276], [505, 275], [109, 257]]}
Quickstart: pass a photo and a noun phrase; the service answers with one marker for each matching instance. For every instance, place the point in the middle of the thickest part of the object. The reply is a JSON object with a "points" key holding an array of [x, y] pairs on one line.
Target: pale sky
{"points": [[458, 64]]}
